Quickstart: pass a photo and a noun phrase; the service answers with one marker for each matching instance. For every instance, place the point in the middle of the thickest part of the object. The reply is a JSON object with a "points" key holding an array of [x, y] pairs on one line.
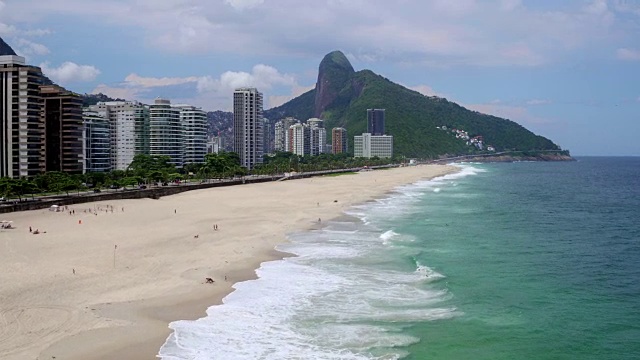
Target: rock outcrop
{"points": [[334, 73]]}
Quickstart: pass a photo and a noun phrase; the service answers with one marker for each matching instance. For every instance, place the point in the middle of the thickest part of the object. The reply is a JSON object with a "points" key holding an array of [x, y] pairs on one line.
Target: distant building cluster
{"points": [[120, 130], [303, 139], [476, 141], [374, 143], [43, 127]]}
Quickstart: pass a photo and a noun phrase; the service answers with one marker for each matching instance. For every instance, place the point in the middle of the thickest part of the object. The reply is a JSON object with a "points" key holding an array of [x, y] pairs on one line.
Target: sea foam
{"points": [[342, 297]]}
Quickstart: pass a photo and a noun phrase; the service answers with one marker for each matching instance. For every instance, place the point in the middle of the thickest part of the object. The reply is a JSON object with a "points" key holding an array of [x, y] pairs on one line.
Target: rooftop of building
{"points": [[5, 49]]}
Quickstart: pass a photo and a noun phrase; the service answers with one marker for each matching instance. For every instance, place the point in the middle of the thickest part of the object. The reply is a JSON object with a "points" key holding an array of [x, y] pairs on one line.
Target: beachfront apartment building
{"points": [[166, 135], [268, 136], [247, 126], [129, 121], [317, 137], [281, 133], [97, 142], [194, 127], [368, 146], [300, 139], [339, 140], [63, 140], [21, 130]]}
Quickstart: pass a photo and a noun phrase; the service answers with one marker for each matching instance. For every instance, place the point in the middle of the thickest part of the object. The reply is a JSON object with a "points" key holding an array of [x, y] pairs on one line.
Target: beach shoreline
{"points": [[106, 286]]}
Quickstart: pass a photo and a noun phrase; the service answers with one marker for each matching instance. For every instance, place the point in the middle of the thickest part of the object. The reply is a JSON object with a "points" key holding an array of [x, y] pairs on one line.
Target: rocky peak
{"points": [[334, 73]]}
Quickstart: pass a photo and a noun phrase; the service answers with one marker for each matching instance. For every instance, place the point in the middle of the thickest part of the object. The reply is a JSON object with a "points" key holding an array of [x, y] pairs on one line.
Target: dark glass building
{"points": [[64, 130], [375, 121]]}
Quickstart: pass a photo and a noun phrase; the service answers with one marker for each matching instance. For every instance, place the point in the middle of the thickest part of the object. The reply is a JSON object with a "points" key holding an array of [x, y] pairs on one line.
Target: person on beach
{"points": [[30, 230]]}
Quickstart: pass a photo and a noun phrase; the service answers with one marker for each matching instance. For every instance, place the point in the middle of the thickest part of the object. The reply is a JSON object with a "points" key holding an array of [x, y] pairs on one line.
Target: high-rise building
{"points": [[21, 130], [339, 140], [368, 146], [194, 125], [300, 139], [375, 121], [268, 136], [318, 136], [97, 140], [166, 135], [281, 132], [247, 126], [215, 145], [129, 122], [63, 145]]}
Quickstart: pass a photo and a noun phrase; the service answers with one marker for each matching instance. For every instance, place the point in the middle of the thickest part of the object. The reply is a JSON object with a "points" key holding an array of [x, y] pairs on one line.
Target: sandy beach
{"points": [[105, 284]]}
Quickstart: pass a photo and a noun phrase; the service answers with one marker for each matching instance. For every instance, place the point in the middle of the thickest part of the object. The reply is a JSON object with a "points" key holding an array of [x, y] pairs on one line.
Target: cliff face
{"points": [[334, 73]]}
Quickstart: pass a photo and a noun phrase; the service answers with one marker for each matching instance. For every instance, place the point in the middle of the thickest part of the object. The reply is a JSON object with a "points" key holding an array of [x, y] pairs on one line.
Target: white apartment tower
{"points": [[97, 142], [166, 135], [21, 130], [247, 126], [281, 133], [318, 136], [194, 126], [299, 136], [129, 130]]}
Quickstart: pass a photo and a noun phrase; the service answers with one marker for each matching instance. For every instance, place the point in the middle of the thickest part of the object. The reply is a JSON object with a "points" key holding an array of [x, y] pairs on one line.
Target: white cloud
{"points": [[6, 29], [70, 72], [146, 82], [465, 32], [262, 77], [36, 32], [244, 4], [628, 54], [212, 93], [28, 48]]}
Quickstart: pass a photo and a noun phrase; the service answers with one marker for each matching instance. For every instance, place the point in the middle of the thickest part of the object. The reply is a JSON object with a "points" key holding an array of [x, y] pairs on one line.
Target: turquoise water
{"points": [[500, 261], [543, 259]]}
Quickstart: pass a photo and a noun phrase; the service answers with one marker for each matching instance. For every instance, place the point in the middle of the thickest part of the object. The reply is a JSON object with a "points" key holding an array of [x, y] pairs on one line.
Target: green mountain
{"points": [[342, 96]]}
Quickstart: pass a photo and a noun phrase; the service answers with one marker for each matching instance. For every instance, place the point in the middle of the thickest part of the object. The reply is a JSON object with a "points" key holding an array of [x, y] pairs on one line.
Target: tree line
{"points": [[158, 170]]}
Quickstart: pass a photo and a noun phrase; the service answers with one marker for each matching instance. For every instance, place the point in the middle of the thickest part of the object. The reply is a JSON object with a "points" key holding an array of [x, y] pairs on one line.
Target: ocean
{"points": [[528, 260]]}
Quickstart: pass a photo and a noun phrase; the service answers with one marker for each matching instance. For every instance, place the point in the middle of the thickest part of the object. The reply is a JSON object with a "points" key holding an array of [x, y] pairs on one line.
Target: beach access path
{"points": [[103, 280]]}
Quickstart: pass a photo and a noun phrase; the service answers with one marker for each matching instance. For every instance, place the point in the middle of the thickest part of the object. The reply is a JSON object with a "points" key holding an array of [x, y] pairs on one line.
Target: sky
{"points": [[567, 70]]}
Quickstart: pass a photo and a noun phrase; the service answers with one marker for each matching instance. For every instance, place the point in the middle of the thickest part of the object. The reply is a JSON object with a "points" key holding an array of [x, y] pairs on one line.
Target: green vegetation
{"points": [[146, 169], [288, 162], [411, 117], [93, 99]]}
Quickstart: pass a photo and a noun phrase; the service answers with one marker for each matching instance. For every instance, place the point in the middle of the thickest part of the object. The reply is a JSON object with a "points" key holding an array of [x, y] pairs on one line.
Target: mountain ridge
{"points": [[342, 96]]}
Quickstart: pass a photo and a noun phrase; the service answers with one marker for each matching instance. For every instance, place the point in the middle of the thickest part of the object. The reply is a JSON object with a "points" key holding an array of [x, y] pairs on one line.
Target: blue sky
{"points": [[568, 70]]}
